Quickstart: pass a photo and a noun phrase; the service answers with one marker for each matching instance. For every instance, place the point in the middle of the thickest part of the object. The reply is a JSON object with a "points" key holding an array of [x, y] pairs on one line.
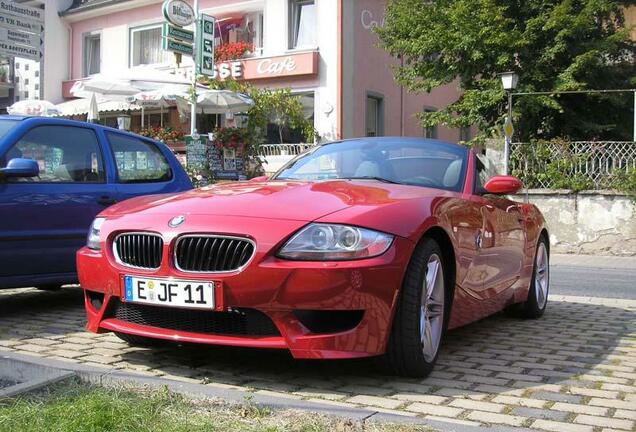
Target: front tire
{"points": [[537, 300], [421, 316]]}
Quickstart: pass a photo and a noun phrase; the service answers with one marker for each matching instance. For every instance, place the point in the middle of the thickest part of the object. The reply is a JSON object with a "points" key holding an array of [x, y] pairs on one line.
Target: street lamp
{"points": [[509, 81]]}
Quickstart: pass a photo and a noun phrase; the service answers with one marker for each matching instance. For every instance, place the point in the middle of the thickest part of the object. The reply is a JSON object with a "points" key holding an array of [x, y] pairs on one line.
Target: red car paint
{"points": [[491, 238]]}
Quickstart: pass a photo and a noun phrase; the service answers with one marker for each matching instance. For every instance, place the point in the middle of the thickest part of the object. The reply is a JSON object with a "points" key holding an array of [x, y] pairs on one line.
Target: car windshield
{"points": [[415, 162]]}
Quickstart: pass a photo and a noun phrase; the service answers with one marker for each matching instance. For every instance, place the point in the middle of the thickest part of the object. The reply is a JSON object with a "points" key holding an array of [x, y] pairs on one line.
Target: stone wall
{"points": [[590, 222]]}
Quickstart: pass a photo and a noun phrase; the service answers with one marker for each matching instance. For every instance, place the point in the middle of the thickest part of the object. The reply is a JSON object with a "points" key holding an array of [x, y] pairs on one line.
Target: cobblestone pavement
{"points": [[572, 370]]}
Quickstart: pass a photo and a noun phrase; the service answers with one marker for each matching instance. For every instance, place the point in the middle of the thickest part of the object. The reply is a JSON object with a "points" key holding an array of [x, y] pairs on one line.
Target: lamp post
{"points": [[509, 81], [193, 113]]}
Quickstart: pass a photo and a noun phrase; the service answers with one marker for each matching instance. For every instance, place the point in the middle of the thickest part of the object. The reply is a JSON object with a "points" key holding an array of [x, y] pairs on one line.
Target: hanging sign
{"points": [[21, 38], [14, 23], [178, 47], [20, 11], [178, 12], [205, 45]]}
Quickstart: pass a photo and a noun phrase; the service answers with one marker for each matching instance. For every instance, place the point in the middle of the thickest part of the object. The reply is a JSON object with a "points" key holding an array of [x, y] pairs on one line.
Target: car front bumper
{"points": [[319, 309]]}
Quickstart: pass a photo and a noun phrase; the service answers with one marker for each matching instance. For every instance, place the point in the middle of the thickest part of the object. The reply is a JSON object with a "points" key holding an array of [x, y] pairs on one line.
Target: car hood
{"points": [[285, 200]]}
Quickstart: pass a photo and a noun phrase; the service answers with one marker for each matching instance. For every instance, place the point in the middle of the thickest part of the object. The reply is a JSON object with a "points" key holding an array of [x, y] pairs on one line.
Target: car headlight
{"points": [[92, 242], [328, 242]]}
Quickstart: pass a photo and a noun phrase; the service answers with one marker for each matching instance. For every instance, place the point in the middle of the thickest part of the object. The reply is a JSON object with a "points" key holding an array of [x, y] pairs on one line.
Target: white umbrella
{"points": [[222, 102], [93, 110], [162, 97], [33, 107]]}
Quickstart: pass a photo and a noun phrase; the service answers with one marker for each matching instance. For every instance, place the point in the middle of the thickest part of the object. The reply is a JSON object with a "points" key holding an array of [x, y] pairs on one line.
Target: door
{"points": [[142, 168], [503, 234], [45, 219]]}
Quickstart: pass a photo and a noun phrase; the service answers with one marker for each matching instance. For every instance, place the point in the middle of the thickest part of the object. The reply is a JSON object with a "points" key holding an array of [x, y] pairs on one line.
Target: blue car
{"points": [[55, 176]]}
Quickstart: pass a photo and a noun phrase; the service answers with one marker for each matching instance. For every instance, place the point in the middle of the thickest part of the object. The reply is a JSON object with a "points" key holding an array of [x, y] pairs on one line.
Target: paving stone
{"points": [[537, 413], [560, 426], [322, 393], [594, 392], [477, 405], [375, 401], [437, 410], [604, 422], [557, 397], [417, 397], [626, 414], [580, 409], [451, 420], [521, 401], [488, 417], [612, 403]]}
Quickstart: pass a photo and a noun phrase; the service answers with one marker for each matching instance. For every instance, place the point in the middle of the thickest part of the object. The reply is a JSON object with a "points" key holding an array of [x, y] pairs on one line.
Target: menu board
{"points": [[226, 164], [196, 152]]}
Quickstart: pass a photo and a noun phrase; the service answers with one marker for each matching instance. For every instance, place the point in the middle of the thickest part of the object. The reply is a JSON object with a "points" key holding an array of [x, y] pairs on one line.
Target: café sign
{"points": [[178, 12]]}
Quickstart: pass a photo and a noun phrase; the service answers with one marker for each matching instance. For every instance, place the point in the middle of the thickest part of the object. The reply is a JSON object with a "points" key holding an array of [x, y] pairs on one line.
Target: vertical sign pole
{"points": [[195, 59], [634, 116], [508, 137]]}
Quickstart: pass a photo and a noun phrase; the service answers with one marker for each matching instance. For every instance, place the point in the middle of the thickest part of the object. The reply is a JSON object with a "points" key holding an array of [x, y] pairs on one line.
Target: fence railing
{"points": [[546, 164], [282, 149]]}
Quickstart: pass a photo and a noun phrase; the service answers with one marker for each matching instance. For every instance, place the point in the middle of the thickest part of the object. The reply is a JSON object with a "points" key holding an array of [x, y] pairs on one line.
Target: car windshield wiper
{"points": [[380, 179]]}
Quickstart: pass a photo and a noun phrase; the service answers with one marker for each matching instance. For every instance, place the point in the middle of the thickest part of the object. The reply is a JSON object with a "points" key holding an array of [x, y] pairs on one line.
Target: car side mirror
{"points": [[503, 185], [19, 167], [260, 179]]}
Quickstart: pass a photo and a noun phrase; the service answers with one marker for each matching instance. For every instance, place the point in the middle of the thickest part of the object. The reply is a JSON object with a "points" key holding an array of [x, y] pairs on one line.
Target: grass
{"points": [[78, 407]]}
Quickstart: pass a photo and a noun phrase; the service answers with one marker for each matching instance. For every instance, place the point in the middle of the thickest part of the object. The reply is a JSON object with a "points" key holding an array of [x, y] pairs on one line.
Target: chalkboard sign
{"points": [[196, 152], [226, 165]]}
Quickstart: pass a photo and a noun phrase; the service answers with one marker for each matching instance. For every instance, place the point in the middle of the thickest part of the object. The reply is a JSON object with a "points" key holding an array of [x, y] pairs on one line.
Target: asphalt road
{"points": [[593, 281]]}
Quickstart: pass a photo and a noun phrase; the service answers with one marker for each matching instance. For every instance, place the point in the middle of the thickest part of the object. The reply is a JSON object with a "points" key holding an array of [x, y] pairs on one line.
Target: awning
{"points": [[82, 106]]}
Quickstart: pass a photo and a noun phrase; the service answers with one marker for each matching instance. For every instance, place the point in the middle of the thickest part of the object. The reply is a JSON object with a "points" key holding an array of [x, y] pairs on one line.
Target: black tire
{"points": [[50, 287], [532, 307], [405, 350], [140, 341]]}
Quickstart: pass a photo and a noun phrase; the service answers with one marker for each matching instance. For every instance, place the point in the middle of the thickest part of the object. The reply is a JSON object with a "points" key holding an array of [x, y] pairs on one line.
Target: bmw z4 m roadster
{"points": [[357, 248]]}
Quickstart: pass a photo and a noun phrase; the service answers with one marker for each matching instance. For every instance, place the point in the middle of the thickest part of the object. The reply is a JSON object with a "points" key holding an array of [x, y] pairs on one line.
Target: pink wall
{"points": [[372, 72]]}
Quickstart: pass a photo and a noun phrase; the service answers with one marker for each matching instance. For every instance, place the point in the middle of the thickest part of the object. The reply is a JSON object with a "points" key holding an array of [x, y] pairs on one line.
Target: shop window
{"points": [[145, 46], [92, 54], [374, 115], [239, 36], [302, 24], [284, 134], [430, 131]]}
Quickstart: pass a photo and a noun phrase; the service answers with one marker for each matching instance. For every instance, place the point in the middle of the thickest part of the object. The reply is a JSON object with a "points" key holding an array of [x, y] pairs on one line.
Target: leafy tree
{"points": [[553, 45]]}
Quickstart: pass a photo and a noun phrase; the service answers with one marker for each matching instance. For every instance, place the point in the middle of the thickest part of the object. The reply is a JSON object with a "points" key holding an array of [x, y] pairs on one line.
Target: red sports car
{"points": [[356, 248]]}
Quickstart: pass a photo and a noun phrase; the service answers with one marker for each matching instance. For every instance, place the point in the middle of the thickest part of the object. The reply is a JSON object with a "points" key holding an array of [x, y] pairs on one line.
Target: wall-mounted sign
{"points": [[21, 11], [177, 33], [205, 45], [178, 12], [268, 68]]}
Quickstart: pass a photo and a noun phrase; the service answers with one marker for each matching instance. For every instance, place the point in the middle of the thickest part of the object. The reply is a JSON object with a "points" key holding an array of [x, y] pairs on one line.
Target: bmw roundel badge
{"points": [[176, 221]]}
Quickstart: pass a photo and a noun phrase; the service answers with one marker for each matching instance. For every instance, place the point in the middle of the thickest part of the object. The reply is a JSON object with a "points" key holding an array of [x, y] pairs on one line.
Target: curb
{"points": [[54, 371]]}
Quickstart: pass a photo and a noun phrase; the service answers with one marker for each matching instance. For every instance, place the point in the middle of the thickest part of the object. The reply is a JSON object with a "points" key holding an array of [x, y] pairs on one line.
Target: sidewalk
{"points": [[594, 261]]}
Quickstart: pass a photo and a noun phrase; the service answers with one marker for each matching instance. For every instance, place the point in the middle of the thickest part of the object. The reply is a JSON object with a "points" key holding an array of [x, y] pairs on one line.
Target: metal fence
{"points": [[594, 163], [282, 149]]}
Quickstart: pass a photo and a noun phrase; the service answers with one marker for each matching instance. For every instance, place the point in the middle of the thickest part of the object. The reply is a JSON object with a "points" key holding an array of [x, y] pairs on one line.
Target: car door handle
{"points": [[106, 200]]}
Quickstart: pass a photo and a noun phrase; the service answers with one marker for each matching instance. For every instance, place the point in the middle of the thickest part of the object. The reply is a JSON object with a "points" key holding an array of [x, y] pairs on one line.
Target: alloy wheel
{"points": [[432, 308], [542, 276]]}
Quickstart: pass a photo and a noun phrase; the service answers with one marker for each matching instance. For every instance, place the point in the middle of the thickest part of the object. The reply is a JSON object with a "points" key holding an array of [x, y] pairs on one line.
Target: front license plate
{"points": [[168, 292]]}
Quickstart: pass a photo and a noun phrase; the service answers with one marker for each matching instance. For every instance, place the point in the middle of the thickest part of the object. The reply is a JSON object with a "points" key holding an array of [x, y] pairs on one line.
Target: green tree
{"points": [[551, 44]]}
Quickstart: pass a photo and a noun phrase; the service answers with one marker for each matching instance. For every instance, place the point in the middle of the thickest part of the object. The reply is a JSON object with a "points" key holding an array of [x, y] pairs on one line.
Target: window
{"points": [[284, 134], [145, 46], [430, 131], [17, 79], [26, 94], [17, 65], [92, 54], [302, 24], [64, 154], [246, 30], [26, 81], [37, 73], [138, 161], [374, 116], [37, 86], [26, 67], [485, 170], [464, 134]]}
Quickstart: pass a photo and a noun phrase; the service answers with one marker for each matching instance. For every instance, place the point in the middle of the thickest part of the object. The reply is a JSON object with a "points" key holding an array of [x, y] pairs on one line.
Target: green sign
{"points": [[205, 45], [177, 33], [178, 47]]}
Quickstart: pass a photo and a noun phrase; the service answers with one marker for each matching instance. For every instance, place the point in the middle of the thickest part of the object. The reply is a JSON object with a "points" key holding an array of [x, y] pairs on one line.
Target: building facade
{"points": [[324, 50]]}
